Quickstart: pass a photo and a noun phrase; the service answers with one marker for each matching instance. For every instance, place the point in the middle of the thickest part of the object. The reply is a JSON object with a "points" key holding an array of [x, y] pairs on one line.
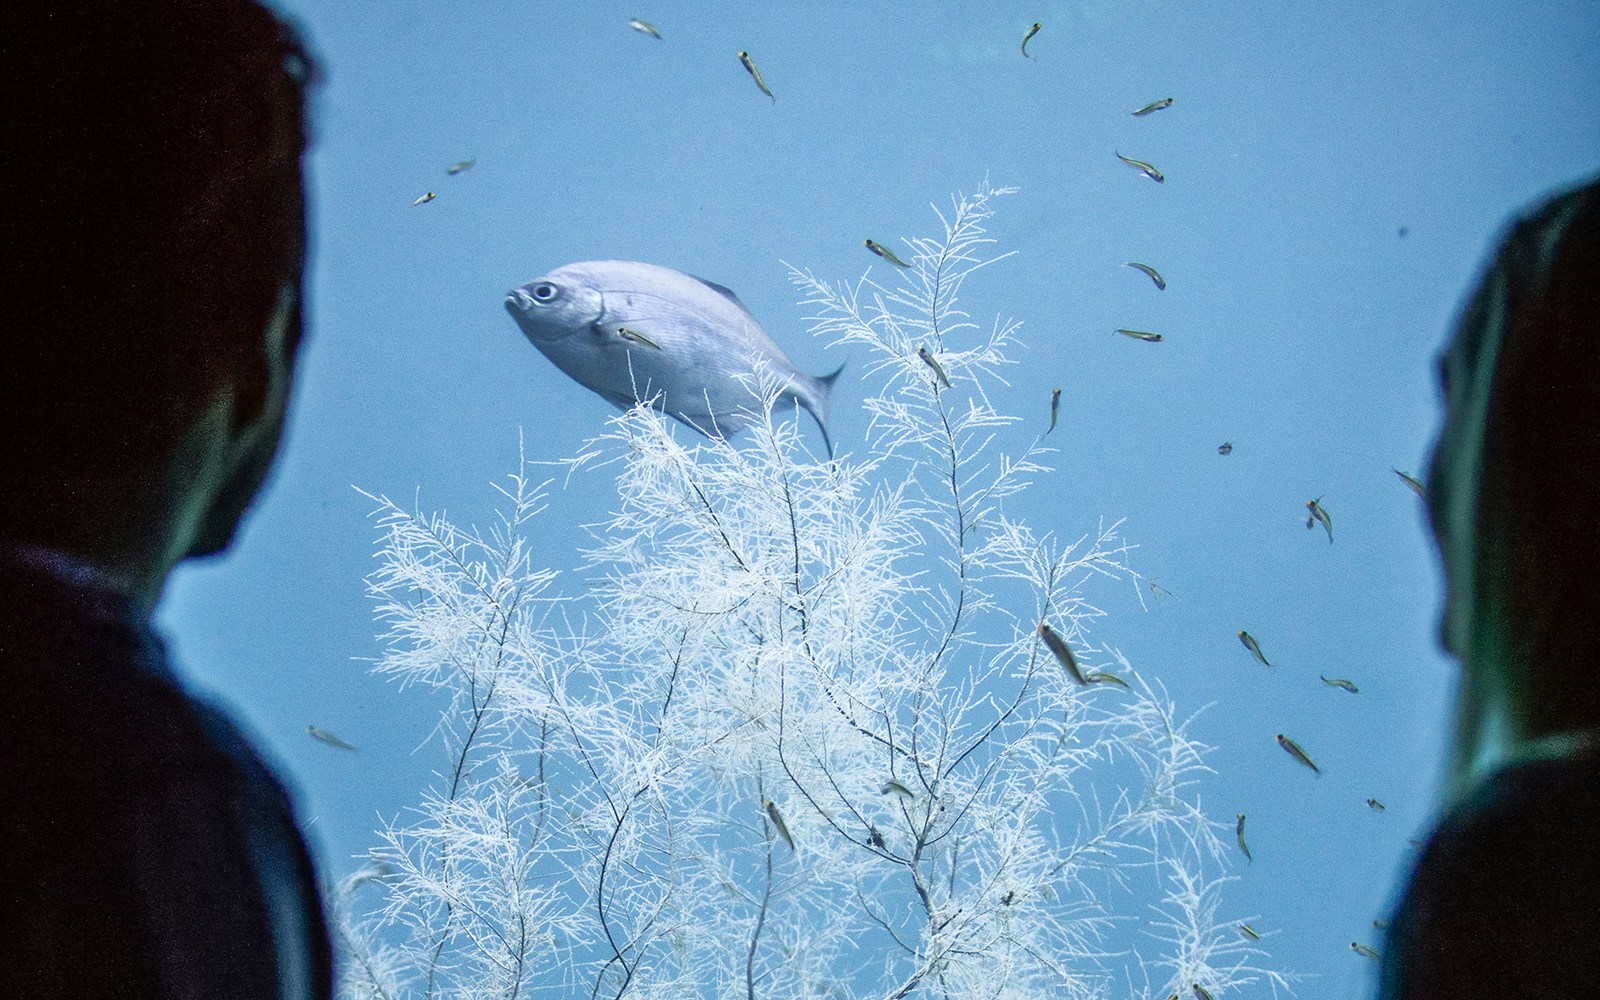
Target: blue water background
{"points": [[1336, 174]]}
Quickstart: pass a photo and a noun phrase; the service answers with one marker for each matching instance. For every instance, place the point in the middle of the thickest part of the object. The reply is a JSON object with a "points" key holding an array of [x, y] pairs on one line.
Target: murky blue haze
{"points": [[1335, 174]]}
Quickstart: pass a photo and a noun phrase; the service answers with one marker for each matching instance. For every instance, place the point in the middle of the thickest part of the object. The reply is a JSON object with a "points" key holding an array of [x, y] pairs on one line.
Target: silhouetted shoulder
{"points": [[1503, 900], [156, 839]]}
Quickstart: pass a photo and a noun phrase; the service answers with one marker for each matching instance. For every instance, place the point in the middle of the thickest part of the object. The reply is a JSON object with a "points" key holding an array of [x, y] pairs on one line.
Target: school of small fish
{"points": [[1316, 514], [696, 334]]}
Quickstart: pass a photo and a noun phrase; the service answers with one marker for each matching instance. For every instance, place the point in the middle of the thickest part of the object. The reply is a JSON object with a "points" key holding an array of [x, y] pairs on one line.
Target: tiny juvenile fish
{"points": [[1104, 677], [1298, 754], [1250, 932], [1254, 647], [1149, 338], [377, 871], [933, 362], [1339, 682], [644, 28], [897, 788], [1238, 834], [461, 167], [1158, 590], [1063, 653], [1055, 407], [884, 252], [324, 736], [755, 74], [1320, 516], [1416, 485], [636, 337], [1152, 107], [1225, 448], [1380, 925], [1375, 805], [1028, 37], [778, 824], [425, 199], [1200, 992], [1161, 283], [1147, 169], [1366, 952]]}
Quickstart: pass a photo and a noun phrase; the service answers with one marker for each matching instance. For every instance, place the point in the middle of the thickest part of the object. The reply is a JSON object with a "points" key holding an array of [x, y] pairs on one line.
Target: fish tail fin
{"points": [[821, 397]]}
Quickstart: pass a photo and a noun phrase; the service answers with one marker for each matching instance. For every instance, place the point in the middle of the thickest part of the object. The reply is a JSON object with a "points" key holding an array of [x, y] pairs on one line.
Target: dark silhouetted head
{"points": [[154, 221], [1512, 489]]}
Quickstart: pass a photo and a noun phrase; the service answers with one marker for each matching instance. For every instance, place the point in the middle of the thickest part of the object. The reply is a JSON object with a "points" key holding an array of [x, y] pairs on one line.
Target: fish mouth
{"points": [[518, 301]]}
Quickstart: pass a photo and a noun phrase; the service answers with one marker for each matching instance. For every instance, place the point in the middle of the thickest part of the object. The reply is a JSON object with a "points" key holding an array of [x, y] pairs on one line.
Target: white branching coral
{"points": [[802, 738]]}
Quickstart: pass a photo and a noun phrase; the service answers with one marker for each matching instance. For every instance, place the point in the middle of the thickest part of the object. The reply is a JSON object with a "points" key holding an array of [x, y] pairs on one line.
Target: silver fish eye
{"points": [[544, 291]]}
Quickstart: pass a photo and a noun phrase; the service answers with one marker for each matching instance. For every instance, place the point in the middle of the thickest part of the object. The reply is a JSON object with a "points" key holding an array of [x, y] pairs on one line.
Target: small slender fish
{"points": [[1320, 516], [1161, 283], [1149, 338], [425, 199], [1339, 682], [897, 788], [1200, 992], [778, 824], [1375, 805], [933, 362], [1147, 169], [1063, 653], [1104, 677], [755, 74], [884, 252], [636, 337], [1225, 448], [1028, 37], [376, 871], [326, 737], [1298, 754], [1152, 107], [1158, 590], [1250, 932], [1254, 647], [1055, 407], [1415, 484], [1380, 925], [644, 28], [1238, 834], [1364, 951], [461, 167]]}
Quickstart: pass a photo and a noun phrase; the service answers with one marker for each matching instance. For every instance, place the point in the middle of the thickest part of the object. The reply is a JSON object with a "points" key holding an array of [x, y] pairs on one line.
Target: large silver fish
{"points": [[700, 339]]}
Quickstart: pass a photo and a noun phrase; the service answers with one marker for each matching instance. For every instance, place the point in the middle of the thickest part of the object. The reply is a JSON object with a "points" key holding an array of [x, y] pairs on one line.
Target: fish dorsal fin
{"points": [[722, 290]]}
